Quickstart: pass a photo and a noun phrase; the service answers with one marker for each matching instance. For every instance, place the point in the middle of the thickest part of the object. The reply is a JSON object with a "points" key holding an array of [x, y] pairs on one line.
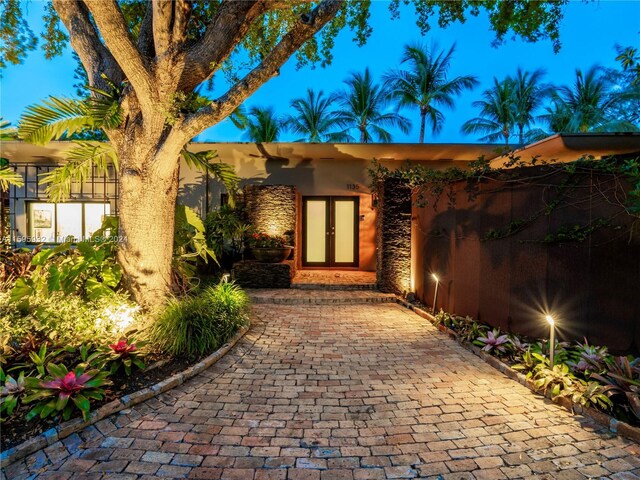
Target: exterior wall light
{"points": [[435, 294], [552, 339]]}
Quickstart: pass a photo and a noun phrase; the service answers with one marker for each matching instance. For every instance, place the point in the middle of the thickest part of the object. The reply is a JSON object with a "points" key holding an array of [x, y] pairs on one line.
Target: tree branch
{"points": [[94, 56], [118, 40], [181, 13], [224, 32], [162, 19], [305, 28], [145, 38]]}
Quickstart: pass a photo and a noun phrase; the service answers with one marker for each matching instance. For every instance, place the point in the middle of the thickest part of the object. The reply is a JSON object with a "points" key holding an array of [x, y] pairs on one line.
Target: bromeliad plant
{"points": [[63, 391], [10, 392], [494, 342], [622, 375], [125, 353]]}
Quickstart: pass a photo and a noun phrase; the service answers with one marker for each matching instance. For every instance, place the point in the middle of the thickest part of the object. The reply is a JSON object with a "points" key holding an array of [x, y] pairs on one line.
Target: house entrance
{"points": [[330, 231]]}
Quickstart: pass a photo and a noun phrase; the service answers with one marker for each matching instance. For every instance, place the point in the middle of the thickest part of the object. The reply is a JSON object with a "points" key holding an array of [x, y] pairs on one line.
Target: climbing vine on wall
{"points": [[613, 181]]}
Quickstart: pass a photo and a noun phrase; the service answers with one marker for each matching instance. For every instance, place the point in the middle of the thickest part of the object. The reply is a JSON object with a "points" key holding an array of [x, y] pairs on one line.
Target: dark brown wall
{"points": [[592, 287], [393, 237]]}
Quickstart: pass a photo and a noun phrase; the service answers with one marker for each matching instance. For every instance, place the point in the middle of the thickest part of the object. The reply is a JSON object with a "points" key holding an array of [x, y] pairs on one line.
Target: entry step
{"points": [[297, 296], [325, 286]]}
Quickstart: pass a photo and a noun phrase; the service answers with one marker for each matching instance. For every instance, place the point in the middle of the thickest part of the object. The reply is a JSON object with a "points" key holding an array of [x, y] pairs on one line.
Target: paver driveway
{"points": [[342, 392]]}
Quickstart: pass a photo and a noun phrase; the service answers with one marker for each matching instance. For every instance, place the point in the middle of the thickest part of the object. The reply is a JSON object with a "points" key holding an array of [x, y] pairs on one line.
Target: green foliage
{"points": [[530, 360], [88, 270], [553, 379], [225, 229], [61, 385], [588, 394], [189, 245], [264, 240], [469, 330], [59, 320], [16, 38], [197, 325]]}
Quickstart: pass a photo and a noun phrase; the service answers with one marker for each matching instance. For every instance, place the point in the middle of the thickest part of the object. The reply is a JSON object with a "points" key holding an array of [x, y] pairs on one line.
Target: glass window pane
{"points": [[94, 214], [42, 221], [344, 231], [69, 221], [316, 238]]}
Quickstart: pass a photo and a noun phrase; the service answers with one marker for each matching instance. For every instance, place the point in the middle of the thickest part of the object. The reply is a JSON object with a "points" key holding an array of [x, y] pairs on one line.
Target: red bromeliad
{"points": [[123, 348]]}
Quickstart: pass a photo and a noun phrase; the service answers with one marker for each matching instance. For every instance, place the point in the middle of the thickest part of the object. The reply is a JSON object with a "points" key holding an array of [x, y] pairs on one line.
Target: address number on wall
{"points": [[353, 186]]}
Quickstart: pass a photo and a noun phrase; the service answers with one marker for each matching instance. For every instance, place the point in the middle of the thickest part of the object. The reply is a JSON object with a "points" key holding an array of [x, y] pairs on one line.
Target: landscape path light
{"points": [[552, 339], [435, 294]]}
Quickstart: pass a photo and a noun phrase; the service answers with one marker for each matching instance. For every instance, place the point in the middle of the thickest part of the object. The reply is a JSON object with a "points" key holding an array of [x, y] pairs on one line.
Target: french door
{"points": [[330, 234]]}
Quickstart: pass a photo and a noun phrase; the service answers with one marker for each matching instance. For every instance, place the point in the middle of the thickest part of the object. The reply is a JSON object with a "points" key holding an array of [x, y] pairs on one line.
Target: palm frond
{"points": [[7, 132], [53, 119], [223, 172], [79, 165], [9, 177]]}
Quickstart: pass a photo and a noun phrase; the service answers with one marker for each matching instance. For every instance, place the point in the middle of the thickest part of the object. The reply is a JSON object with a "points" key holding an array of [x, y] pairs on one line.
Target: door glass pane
{"points": [[42, 221], [344, 230], [94, 214], [69, 221], [316, 234]]}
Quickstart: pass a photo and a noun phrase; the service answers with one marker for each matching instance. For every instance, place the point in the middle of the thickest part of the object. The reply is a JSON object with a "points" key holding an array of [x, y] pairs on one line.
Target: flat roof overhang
{"points": [[568, 147]]}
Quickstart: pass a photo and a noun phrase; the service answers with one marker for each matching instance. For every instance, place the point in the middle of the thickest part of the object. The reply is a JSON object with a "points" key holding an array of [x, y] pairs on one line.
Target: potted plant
{"points": [[268, 248]]}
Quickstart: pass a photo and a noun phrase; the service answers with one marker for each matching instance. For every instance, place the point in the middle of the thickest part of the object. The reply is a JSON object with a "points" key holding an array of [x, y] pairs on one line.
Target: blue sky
{"points": [[589, 32]]}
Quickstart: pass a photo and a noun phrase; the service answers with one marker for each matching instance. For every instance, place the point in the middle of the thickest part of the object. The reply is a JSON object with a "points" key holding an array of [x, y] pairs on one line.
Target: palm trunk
{"points": [[363, 134], [521, 134], [423, 122], [146, 221]]}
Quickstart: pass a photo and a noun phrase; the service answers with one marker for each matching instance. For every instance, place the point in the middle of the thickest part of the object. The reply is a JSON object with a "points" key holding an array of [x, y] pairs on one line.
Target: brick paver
{"points": [[341, 392]]}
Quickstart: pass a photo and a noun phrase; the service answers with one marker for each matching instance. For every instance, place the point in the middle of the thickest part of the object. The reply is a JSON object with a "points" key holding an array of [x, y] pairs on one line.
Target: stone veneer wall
{"points": [[393, 236], [271, 208]]}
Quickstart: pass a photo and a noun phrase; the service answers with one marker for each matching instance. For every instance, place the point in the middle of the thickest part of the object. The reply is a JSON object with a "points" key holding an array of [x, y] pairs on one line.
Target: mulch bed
{"points": [[16, 429]]}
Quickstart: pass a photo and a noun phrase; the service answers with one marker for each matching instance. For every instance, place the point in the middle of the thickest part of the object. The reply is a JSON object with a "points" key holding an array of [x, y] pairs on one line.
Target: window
{"points": [[56, 222]]}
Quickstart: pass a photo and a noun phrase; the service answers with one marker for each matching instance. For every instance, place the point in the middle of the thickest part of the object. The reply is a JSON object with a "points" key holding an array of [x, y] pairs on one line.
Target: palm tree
{"points": [[586, 106], [497, 113], [262, 125], [528, 95], [7, 175], [363, 107], [313, 118], [425, 84]]}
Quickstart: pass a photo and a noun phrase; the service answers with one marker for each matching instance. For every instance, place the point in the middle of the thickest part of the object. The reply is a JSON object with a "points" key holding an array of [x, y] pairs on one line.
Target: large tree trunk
{"points": [[146, 212]]}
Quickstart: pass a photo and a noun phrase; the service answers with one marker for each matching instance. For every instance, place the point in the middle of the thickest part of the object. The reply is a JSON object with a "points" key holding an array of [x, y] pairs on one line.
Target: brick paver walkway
{"points": [[342, 392]]}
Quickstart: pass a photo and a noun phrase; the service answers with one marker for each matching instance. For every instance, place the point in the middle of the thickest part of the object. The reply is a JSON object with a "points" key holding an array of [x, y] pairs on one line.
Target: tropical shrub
{"points": [[225, 230], [588, 394], [470, 330], [86, 269], [54, 393], [589, 358], [15, 264], [189, 247], [554, 378], [198, 324], [60, 319]]}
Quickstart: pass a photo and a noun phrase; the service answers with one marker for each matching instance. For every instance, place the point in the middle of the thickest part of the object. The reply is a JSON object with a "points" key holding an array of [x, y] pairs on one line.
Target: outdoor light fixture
{"points": [[552, 339], [435, 294], [225, 278]]}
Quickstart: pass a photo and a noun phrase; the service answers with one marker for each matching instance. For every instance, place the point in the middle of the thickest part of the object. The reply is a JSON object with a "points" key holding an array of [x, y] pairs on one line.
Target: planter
{"points": [[271, 255]]}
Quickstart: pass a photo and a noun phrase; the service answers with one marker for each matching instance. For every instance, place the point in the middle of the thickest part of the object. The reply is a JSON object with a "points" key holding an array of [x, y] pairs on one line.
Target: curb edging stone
{"points": [[69, 427], [614, 425]]}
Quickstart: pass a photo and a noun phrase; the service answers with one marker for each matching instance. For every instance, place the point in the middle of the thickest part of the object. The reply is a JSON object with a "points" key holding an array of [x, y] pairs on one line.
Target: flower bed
{"points": [[583, 375], [72, 341]]}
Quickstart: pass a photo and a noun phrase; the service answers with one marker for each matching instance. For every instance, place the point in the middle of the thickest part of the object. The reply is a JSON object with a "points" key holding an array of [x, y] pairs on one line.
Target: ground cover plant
{"points": [[584, 373]]}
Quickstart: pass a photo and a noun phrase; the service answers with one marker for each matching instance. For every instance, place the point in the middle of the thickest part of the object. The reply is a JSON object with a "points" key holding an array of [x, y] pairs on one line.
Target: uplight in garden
{"points": [[121, 316]]}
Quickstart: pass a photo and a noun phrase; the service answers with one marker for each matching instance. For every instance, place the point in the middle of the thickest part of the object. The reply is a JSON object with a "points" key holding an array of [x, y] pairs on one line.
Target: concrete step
{"points": [[319, 297], [335, 286]]}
